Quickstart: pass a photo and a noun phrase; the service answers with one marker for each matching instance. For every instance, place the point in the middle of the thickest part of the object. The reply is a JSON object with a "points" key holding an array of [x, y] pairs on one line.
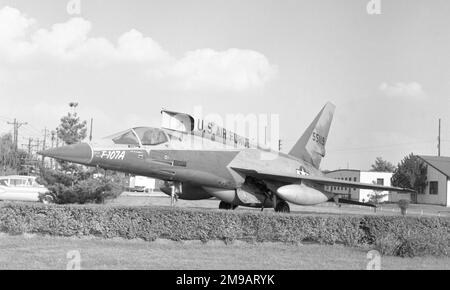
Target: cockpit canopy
{"points": [[140, 136]]}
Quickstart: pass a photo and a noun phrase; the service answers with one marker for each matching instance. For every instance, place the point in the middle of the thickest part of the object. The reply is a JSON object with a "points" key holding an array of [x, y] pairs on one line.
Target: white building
{"points": [[363, 195], [142, 183], [437, 190]]}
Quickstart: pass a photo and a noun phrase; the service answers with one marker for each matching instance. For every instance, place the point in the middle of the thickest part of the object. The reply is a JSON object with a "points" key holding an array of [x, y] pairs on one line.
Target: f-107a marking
{"points": [[113, 155]]}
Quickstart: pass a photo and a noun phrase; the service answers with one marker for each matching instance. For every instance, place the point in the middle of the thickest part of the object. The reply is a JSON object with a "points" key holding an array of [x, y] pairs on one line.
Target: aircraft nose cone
{"points": [[77, 153]]}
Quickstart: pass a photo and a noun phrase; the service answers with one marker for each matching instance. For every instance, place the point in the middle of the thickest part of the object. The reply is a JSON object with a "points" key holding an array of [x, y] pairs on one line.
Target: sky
{"points": [[388, 73]]}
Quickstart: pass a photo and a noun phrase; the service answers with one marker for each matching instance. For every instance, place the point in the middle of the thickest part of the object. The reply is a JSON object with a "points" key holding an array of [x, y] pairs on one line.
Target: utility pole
{"points": [[53, 142], [53, 138], [265, 136], [30, 140], [16, 126], [439, 138], [43, 145], [90, 134], [36, 146]]}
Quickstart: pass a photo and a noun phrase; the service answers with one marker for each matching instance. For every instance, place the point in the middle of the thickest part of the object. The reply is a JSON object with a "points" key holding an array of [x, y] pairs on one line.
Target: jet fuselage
{"points": [[204, 174]]}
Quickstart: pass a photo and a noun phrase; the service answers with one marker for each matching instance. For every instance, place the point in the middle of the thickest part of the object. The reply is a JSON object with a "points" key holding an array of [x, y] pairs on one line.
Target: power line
{"points": [[5, 118], [34, 128], [31, 133]]}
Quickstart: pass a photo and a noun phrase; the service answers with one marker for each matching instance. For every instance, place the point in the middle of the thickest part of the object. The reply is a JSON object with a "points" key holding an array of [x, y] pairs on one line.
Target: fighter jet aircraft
{"points": [[205, 161]]}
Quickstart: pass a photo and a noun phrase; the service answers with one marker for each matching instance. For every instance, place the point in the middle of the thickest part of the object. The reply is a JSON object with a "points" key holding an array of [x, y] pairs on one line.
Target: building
{"points": [[363, 195], [437, 190]]}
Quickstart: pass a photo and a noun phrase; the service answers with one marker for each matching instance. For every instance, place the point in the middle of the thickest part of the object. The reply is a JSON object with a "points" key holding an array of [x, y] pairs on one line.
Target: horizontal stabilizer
{"points": [[354, 202]]}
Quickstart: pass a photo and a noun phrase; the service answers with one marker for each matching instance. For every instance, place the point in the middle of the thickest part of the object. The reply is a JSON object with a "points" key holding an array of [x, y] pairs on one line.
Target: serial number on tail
{"points": [[319, 139]]}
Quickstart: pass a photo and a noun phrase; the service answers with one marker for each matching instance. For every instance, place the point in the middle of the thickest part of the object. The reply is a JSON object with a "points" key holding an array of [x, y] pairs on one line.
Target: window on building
{"points": [[380, 181], [354, 179], [433, 187]]}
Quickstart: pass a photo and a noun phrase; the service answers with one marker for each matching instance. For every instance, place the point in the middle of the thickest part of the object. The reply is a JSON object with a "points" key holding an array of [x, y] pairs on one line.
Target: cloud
{"points": [[13, 28], [235, 69], [70, 43], [407, 90]]}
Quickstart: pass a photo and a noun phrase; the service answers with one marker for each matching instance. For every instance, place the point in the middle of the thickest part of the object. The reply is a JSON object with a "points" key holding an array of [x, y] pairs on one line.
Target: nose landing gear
{"points": [[175, 188]]}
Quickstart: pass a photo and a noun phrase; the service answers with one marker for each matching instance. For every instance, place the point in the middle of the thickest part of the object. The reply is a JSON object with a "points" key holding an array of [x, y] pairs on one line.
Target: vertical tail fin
{"points": [[311, 146]]}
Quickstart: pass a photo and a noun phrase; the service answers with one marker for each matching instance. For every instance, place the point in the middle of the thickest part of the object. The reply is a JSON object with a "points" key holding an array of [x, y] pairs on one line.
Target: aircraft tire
{"points": [[282, 206], [227, 206], [48, 199]]}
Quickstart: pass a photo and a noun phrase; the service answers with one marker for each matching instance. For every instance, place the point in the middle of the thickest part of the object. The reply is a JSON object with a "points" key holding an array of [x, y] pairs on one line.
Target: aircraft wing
{"points": [[319, 180]]}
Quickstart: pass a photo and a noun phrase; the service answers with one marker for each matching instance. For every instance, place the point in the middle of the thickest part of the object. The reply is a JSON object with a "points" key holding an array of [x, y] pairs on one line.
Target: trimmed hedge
{"points": [[391, 235]]}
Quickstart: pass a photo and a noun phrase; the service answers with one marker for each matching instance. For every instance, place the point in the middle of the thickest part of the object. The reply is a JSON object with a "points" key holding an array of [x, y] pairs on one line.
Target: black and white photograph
{"points": [[224, 141]]}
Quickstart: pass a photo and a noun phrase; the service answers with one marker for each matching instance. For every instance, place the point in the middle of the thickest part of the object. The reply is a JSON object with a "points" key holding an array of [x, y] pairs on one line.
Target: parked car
{"points": [[22, 188]]}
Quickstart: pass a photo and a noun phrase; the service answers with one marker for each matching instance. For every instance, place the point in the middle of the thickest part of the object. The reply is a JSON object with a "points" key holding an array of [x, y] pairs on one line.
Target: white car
{"points": [[22, 188]]}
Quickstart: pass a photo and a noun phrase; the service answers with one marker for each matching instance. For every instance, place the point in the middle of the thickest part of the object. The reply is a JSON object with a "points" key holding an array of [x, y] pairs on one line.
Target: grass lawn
{"points": [[38, 252]]}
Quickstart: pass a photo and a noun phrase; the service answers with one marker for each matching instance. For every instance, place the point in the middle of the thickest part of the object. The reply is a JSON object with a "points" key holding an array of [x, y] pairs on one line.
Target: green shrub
{"points": [[78, 186], [86, 191], [391, 235]]}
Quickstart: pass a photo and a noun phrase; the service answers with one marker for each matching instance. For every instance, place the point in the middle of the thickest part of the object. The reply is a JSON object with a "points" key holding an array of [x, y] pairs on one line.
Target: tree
{"points": [[381, 165], [411, 172], [11, 160], [75, 183], [377, 196], [71, 130]]}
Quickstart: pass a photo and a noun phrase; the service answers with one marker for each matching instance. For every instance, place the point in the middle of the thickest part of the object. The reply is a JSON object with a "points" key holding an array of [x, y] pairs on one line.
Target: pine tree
{"points": [[71, 130]]}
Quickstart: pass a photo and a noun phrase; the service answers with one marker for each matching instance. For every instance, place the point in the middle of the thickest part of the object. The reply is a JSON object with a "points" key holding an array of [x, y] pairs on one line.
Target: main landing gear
{"points": [[175, 190], [282, 206], [227, 206]]}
